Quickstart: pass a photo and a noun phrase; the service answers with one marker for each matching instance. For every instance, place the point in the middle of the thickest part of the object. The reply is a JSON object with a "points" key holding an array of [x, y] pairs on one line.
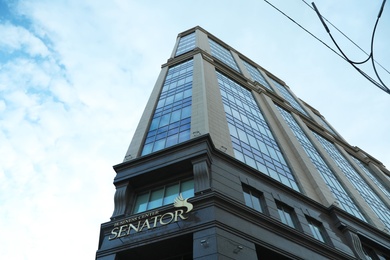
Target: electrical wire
{"points": [[329, 22], [303, 28], [383, 86], [371, 56]]}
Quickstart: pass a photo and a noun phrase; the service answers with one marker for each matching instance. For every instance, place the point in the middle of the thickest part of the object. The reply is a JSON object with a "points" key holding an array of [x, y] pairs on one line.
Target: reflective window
{"points": [[223, 55], [327, 175], [287, 96], [357, 181], [252, 140], [372, 177], [163, 196], [256, 75], [286, 215], [252, 199], [324, 124], [172, 118], [316, 229], [186, 44]]}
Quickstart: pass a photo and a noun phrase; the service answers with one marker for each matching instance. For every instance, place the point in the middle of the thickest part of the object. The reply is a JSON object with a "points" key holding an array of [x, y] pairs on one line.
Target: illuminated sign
{"points": [[151, 219]]}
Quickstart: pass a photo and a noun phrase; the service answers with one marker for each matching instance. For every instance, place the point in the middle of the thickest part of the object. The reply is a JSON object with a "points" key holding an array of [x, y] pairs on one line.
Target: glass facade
{"points": [[357, 181], [256, 75], [163, 196], [186, 44], [324, 124], [372, 177], [327, 175], [172, 118], [287, 96], [223, 55], [252, 140]]}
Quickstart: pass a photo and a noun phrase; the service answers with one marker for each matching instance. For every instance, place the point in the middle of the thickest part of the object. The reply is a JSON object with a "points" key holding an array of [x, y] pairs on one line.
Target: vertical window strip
{"points": [[252, 140], [223, 54], [256, 75], [368, 172], [286, 94], [324, 124], [171, 121], [186, 44], [357, 181], [327, 175]]}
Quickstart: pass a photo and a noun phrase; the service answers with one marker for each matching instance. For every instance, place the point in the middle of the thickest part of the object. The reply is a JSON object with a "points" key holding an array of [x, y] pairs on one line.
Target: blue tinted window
{"points": [[324, 124], [252, 199], [163, 196], [252, 140], [330, 179], [372, 177], [223, 55], [357, 181], [186, 44], [286, 215], [172, 118], [317, 230], [287, 96], [256, 75]]}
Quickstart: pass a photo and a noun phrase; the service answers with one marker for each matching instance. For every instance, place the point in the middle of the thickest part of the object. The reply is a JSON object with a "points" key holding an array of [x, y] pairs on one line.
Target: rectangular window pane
{"points": [[187, 189], [171, 192], [248, 200], [317, 230], [286, 94], [141, 203], [252, 198], [285, 215], [223, 55], [256, 75], [156, 199], [186, 44]]}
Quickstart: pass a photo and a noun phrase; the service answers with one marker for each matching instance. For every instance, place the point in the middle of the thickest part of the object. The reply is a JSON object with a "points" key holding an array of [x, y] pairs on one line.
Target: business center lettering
{"points": [[150, 220]]}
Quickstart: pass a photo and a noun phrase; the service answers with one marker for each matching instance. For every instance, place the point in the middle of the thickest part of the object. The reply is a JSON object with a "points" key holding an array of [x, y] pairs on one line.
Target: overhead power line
{"points": [[381, 86], [349, 39]]}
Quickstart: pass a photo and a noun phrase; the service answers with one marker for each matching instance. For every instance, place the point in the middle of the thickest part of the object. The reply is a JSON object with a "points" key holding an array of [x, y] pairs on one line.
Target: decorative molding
{"points": [[201, 175], [354, 241], [120, 201]]}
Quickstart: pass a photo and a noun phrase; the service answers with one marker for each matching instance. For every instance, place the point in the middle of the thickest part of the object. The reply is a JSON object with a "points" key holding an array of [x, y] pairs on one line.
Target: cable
{"points": [[347, 36], [372, 44], [315, 37], [383, 86], [371, 56]]}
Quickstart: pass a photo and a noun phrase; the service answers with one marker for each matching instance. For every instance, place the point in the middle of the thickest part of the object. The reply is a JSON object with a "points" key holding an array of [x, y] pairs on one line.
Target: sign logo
{"points": [[151, 219], [180, 202]]}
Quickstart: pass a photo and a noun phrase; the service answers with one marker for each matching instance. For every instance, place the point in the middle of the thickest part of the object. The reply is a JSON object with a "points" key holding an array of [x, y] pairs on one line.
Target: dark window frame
{"points": [[253, 193], [287, 215]]}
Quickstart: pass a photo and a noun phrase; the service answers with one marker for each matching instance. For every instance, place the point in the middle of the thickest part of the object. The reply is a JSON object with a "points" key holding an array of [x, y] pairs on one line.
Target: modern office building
{"points": [[227, 163]]}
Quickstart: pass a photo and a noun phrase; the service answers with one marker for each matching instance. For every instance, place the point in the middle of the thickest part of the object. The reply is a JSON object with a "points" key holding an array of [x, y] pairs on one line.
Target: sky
{"points": [[75, 77]]}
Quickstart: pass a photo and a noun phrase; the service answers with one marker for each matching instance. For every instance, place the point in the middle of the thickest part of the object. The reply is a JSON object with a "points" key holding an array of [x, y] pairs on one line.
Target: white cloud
{"points": [[67, 111], [15, 38]]}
